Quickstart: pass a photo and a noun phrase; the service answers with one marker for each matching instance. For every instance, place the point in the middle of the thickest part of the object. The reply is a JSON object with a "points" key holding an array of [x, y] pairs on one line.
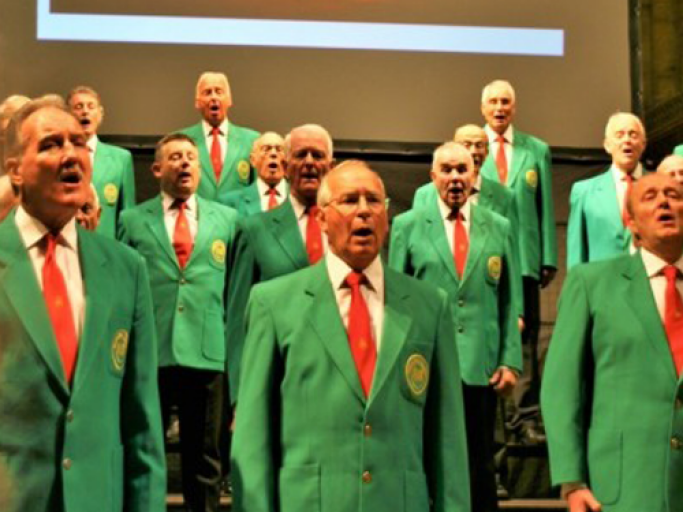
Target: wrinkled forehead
{"points": [[270, 139], [656, 183], [49, 120], [308, 138], [471, 135], [83, 97], [624, 123]]}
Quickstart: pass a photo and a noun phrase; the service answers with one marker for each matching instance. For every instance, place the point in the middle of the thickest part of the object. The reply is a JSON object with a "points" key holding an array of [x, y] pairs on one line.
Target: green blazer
{"points": [[236, 171], [267, 245], [596, 230], [530, 180], [114, 179], [482, 304], [97, 445], [189, 304], [306, 434], [247, 200], [611, 399]]}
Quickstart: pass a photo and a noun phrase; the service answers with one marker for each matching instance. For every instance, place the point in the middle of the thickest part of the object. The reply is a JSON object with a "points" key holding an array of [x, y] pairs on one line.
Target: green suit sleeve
{"points": [[565, 396], [515, 266], [547, 209], [577, 245], [254, 468], [445, 443], [128, 183], [143, 444], [510, 292]]}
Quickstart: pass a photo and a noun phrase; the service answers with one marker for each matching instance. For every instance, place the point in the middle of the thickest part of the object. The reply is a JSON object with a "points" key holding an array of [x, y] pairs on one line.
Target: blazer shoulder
{"points": [[499, 221], [226, 212], [281, 289], [426, 292], [588, 184], [532, 140], [115, 251], [116, 151], [194, 131], [246, 132], [407, 218], [596, 272]]}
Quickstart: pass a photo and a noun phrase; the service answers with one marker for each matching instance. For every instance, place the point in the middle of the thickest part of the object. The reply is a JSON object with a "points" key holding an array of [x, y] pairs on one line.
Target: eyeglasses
{"points": [[350, 203]]}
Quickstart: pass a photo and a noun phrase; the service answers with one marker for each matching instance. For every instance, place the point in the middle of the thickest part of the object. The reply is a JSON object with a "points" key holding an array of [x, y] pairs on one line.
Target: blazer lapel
{"points": [[643, 306], [97, 287], [205, 228], [155, 223], [478, 236], [204, 156], [607, 190], [285, 229], [520, 155], [234, 141], [323, 315], [397, 322], [437, 237], [23, 291]]}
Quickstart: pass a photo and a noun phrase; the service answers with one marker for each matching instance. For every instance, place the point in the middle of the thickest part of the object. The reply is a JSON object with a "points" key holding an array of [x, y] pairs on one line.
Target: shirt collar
{"points": [[263, 187], [167, 201], [477, 184], [654, 264], [223, 127], [446, 211], [299, 209], [33, 231], [337, 269], [493, 136], [618, 174], [92, 143]]}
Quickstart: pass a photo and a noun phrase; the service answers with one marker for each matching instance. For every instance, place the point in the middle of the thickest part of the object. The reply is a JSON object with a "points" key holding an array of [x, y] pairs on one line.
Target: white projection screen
{"points": [[370, 70]]}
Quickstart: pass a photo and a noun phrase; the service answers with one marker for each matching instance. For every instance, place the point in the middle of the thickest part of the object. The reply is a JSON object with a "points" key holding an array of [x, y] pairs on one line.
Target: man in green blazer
{"points": [[481, 299], [523, 163], [597, 217], [352, 401], [188, 292], [612, 397], [80, 428], [277, 242], [224, 147], [270, 188], [113, 172]]}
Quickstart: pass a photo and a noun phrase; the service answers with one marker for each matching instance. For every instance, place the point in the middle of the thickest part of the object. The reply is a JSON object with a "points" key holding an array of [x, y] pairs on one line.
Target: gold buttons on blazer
{"points": [[69, 415], [367, 477], [181, 308], [679, 403], [66, 464], [461, 302], [676, 443], [183, 280], [461, 329], [367, 430]]}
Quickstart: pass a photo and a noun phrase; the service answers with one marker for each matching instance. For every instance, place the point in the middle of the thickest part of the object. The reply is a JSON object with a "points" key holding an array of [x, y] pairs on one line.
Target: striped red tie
{"points": [[216, 154], [501, 160]]}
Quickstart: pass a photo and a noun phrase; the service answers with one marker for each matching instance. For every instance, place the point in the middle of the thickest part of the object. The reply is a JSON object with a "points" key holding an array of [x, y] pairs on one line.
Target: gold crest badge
{"points": [[218, 251], [243, 169], [532, 178], [495, 267], [111, 193], [119, 348], [417, 374]]}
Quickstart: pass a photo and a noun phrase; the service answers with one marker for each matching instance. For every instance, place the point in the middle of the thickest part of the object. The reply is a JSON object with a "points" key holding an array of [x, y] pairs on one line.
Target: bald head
{"points": [[672, 166], [474, 139]]}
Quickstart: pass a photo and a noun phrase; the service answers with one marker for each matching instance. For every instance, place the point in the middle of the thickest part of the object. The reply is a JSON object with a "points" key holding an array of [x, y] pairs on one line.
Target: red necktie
{"points": [[624, 211], [182, 237], [360, 332], [501, 160], [216, 154], [673, 317], [461, 245], [314, 238], [272, 198], [59, 309]]}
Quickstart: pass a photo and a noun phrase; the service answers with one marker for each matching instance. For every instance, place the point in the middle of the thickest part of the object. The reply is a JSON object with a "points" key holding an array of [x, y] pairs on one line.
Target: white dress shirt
{"points": [[493, 144], [33, 232], [92, 147], [372, 291], [171, 215], [264, 197], [222, 136], [620, 184], [449, 224], [475, 192], [302, 221], [653, 268]]}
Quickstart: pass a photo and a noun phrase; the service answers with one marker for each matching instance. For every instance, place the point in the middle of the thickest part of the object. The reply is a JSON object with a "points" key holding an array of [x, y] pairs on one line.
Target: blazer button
{"points": [[367, 477], [69, 415], [461, 302], [66, 464], [461, 329], [676, 443], [183, 280], [367, 430], [181, 308]]}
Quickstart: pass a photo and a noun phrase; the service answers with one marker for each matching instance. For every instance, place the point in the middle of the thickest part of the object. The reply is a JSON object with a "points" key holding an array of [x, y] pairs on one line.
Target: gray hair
{"points": [[618, 115], [310, 128], [213, 74], [486, 92], [83, 89], [451, 146]]}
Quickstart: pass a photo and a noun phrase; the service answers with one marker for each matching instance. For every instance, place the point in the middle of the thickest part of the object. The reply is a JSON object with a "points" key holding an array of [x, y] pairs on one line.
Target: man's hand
{"points": [[503, 380], [521, 324], [582, 500], [547, 275]]}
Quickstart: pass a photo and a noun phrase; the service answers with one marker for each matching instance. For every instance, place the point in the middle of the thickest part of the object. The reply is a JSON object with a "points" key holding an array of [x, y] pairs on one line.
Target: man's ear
{"points": [[322, 219], [156, 170], [12, 168]]}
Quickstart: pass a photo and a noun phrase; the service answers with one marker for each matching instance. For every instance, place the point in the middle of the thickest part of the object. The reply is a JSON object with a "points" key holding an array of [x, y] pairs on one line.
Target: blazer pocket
{"points": [[117, 345], [415, 371], [605, 459], [416, 493], [213, 338], [300, 488]]}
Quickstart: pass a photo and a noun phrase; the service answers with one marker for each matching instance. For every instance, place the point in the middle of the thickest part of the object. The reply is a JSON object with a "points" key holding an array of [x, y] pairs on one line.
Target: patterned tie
{"points": [[501, 160], [216, 155], [59, 309], [182, 237], [314, 238], [360, 332], [461, 245], [624, 211], [673, 316], [272, 198]]}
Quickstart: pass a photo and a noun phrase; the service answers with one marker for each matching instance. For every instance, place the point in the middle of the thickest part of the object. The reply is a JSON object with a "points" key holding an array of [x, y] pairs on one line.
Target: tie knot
{"points": [[456, 216], [355, 279], [628, 178], [272, 191], [670, 272], [312, 210], [50, 244], [215, 131], [500, 139], [180, 204]]}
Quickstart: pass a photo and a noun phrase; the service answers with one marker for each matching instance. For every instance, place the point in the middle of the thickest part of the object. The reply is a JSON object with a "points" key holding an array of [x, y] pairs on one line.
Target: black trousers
{"points": [[198, 396], [524, 408], [480, 421]]}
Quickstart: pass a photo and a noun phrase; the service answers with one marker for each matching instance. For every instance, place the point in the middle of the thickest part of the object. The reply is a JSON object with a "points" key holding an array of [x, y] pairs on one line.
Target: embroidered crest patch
{"points": [[417, 374]]}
